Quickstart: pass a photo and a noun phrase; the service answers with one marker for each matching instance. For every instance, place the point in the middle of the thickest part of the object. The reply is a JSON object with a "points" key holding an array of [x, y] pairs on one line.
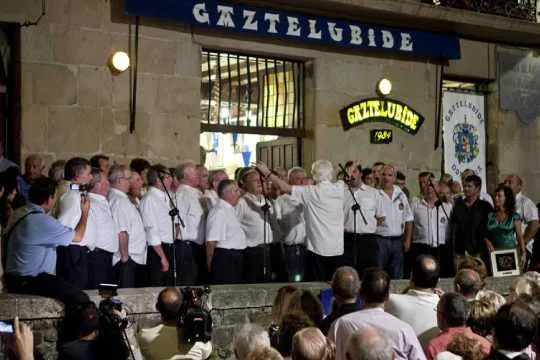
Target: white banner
{"points": [[464, 134]]}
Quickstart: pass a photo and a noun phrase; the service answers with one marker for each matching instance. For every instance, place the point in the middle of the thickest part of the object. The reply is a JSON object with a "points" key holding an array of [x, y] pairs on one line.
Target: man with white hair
{"points": [[248, 337], [214, 178], [368, 343], [323, 212], [292, 227]]}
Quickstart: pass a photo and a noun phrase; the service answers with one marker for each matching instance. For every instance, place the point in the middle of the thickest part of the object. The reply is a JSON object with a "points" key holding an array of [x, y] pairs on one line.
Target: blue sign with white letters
{"points": [[244, 19]]}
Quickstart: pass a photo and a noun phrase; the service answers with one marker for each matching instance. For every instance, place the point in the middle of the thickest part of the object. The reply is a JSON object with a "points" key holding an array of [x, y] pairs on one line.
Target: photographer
{"points": [[165, 341]]}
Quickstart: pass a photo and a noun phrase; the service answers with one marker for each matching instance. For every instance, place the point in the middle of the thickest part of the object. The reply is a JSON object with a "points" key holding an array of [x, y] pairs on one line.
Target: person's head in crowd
{"points": [[388, 177], [465, 347], [481, 317], [8, 186], [168, 305], [229, 191], [78, 170], [99, 183], [523, 286], [215, 177], [291, 323], [10, 199], [472, 186], [187, 174], [322, 170], [452, 311], [175, 182], [514, 328], [248, 337], [141, 167], [468, 283], [102, 163], [456, 188], [86, 321], [280, 302], [514, 182], [296, 176], [311, 344], [533, 276], [466, 173], [264, 353], [251, 182], [375, 287], [33, 167], [119, 178], [368, 343], [424, 179], [308, 181], [401, 180], [445, 193], [202, 153], [303, 301], [238, 172], [475, 264], [354, 173], [345, 285], [377, 169], [136, 185], [281, 173], [56, 171], [367, 177], [492, 297], [42, 193], [425, 272], [159, 177], [505, 200], [446, 179], [204, 178]]}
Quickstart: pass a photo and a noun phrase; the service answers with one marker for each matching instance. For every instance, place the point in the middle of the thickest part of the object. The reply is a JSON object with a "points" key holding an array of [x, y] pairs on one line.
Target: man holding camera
{"points": [[163, 341], [72, 262]]}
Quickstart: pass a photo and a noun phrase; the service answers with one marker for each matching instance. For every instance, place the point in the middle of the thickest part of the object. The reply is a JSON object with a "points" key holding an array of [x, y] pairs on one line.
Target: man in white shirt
{"points": [[374, 292], [395, 232], [361, 248], [155, 206], [292, 227], [190, 250], [72, 261], [421, 298], [130, 259], [225, 238], [323, 212], [430, 228], [256, 216], [101, 231], [525, 207]]}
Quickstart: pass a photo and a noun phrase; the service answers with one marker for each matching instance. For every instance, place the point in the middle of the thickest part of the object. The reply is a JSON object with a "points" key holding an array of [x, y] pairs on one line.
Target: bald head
{"points": [[425, 272], [514, 182], [468, 283], [345, 284], [169, 303], [368, 343], [311, 344]]}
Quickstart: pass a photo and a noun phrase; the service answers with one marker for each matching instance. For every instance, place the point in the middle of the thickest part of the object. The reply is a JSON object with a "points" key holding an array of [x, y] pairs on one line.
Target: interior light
{"points": [[384, 87], [119, 62]]}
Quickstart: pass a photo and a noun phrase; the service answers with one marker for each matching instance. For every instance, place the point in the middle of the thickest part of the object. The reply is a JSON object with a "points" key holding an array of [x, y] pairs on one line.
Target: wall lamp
{"points": [[119, 62], [384, 87]]}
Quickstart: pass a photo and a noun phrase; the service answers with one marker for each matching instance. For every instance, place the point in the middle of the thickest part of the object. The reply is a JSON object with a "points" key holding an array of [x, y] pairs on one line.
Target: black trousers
{"points": [[126, 273], [295, 262], [99, 268], [361, 251], [154, 275], [227, 266], [255, 260], [72, 265], [278, 271], [46, 285], [199, 256], [186, 265], [321, 268]]}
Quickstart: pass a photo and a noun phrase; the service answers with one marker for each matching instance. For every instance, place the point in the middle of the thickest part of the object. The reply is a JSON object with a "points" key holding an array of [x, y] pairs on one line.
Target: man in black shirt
{"points": [[345, 286], [469, 222]]}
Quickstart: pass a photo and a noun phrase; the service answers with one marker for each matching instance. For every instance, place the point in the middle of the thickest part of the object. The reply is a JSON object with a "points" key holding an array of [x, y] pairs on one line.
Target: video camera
{"points": [[111, 309], [194, 315]]}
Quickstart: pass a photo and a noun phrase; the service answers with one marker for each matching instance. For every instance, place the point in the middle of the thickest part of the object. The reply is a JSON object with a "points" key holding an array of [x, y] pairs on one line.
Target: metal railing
{"points": [[518, 9]]}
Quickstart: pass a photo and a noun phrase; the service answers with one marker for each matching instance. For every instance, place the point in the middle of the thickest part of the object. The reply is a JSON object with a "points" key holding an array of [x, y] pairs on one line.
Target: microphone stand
{"points": [[265, 209], [439, 204], [355, 208], [174, 212]]}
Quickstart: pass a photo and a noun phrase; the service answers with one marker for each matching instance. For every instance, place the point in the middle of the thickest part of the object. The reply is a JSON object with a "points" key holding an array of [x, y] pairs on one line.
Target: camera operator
{"points": [[166, 340]]}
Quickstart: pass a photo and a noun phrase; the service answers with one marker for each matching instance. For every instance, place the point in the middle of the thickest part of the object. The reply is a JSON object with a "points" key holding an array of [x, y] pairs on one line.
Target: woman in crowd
{"points": [[504, 224]]}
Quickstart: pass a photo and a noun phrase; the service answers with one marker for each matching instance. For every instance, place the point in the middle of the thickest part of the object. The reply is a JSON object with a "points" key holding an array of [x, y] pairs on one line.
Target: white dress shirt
{"points": [[211, 198], [407, 307], [249, 213], [128, 219], [101, 228], [371, 205], [323, 212], [154, 208], [429, 220], [397, 211], [526, 209], [69, 214], [290, 214], [189, 203], [223, 227]]}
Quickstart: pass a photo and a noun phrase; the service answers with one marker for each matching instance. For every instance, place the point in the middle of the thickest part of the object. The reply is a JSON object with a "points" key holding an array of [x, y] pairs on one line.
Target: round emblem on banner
{"points": [[400, 206], [466, 142]]}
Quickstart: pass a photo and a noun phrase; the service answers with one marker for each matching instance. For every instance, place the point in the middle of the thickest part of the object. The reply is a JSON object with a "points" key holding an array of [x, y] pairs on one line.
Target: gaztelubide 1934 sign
{"points": [[272, 23]]}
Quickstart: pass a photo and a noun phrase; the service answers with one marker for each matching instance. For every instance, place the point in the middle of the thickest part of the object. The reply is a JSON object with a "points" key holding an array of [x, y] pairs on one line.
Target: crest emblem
{"points": [[465, 142], [400, 206], [443, 220]]}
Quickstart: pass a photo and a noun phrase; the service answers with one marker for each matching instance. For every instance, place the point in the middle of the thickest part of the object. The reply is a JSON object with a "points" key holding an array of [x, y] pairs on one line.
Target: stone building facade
{"points": [[71, 104]]}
